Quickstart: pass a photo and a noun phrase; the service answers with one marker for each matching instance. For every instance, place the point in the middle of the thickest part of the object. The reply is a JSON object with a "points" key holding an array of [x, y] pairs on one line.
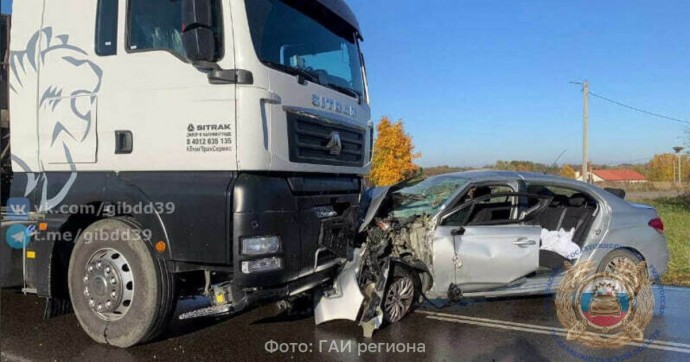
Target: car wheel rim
{"points": [[399, 299], [623, 264], [614, 264], [108, 284], [618, 263]]}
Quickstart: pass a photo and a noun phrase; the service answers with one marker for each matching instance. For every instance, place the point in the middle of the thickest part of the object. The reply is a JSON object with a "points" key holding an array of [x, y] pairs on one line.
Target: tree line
{"points": [[394, 161]]}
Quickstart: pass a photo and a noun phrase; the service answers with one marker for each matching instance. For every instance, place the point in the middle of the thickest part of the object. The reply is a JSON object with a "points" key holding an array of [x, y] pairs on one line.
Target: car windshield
{"points": [[286, 39], [427, 196]]}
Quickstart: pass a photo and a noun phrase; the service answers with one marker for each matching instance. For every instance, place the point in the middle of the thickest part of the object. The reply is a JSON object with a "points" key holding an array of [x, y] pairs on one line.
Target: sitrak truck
{"points": [[159, 148]]}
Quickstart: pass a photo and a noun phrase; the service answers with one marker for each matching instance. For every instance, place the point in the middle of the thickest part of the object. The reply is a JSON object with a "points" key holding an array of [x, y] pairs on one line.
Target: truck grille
{"points": [[309, 137]]}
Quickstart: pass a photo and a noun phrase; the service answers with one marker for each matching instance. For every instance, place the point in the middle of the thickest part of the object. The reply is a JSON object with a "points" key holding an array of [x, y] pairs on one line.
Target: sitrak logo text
{"points": [[210, 127]]}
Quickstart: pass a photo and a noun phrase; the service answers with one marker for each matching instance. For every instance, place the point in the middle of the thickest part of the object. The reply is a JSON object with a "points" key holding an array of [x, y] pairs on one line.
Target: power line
{"points": [[640, 110]]}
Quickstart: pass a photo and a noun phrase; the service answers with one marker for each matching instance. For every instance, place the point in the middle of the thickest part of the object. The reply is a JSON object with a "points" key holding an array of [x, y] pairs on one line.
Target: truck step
{"points": [[217, 310]]}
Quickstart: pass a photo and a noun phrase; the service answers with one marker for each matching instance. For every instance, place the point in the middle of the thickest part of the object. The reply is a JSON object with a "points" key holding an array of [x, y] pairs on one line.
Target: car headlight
{"points": [[260, 245]]}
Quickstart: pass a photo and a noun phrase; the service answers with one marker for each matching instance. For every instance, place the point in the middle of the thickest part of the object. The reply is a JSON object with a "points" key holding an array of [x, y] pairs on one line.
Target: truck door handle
{"points": [[124, 142], [523, 242]]}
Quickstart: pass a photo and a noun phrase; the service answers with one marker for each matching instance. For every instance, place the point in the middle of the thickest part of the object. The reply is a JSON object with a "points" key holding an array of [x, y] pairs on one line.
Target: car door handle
{"points": [[524, 242]]}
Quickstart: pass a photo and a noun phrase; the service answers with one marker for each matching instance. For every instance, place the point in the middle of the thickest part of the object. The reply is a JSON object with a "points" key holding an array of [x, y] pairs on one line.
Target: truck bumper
{"points": [[315, 217]]}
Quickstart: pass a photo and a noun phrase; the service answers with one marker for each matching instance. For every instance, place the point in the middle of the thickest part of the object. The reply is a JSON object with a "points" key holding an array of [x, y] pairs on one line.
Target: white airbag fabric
{"points": [[560, 242]]}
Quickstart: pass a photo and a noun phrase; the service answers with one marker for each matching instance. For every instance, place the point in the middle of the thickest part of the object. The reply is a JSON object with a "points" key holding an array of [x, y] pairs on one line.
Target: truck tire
{"points": [[122, 294], [401, 293]]}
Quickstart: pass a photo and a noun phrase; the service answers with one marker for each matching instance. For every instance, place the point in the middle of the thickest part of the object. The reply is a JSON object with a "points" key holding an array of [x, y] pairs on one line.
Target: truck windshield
{"points": [[295, 39]]}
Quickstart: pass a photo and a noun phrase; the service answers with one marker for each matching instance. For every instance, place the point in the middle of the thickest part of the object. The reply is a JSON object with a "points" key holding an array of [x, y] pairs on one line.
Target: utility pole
{"points": [[678, 150], [585, 140]]}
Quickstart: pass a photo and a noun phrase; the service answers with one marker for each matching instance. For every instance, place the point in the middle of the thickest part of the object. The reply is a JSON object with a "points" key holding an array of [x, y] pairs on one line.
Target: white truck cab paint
{"points": [[229, 136]]}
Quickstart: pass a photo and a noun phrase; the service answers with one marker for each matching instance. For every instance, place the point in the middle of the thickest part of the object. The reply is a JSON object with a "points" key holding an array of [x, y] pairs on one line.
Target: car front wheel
{"points": [[402, 292]]}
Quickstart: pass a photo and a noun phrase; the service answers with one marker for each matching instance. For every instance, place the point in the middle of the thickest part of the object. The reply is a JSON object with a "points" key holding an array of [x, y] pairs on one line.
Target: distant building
{"points": [[615, 175]]}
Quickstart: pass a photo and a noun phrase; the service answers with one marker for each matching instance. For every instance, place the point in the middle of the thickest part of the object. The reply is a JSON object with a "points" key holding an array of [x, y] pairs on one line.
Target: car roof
{"points": [[490, 175], [485, 175]]}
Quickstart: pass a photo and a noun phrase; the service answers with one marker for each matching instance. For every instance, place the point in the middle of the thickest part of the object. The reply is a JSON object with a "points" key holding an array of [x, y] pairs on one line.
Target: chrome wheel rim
{"points": [[399, 299], [108, 284]]}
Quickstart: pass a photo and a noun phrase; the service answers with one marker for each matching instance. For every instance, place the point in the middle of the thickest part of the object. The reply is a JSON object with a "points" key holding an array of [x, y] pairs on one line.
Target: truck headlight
{"points": [[261, 245], [262, 265]]}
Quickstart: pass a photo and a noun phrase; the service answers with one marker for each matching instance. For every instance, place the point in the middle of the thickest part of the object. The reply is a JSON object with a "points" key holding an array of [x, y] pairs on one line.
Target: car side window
{"points": [[495, 209], [106, 27], [484, 204]]}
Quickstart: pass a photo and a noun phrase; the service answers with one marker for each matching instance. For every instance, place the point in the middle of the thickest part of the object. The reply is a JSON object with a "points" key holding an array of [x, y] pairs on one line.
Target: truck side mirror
{"points": [[198, 37]]}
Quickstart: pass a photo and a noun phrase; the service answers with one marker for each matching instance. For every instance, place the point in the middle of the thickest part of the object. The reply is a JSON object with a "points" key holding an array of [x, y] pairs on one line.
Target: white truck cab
{"points": [[219, 145]]}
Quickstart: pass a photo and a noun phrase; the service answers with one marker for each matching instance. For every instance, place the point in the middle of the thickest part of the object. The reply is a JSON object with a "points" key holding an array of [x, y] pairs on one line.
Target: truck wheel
{"points": [[121, 293], [401, 293]]}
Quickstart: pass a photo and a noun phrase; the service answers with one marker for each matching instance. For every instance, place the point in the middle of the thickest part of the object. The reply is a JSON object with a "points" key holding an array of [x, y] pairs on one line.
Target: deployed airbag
{"points": [[560, 242]]}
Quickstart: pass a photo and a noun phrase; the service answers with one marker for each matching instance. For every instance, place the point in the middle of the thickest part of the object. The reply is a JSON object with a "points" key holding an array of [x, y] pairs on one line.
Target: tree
{"points": [[393, 154], [524, 166], [663, 167], [567, 171]]}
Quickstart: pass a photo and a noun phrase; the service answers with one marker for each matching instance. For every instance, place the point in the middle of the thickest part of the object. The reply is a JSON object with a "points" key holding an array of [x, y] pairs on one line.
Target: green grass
{"points": [[676, 215]]}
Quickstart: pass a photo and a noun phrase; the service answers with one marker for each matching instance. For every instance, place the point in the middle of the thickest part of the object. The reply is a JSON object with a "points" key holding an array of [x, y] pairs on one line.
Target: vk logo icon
{"points": [[18, 208], [18, 236]]}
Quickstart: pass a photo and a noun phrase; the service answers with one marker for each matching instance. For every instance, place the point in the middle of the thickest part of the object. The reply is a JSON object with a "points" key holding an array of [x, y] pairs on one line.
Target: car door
{"points": [[492, 245]]}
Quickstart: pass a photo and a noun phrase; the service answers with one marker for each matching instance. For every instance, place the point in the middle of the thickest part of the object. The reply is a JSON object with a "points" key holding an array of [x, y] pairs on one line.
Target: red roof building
{"points": [[614, 175], [618, 175]]}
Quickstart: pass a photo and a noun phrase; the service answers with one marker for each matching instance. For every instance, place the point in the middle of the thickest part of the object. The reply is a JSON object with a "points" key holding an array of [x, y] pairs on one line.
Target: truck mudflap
{"points": [[17, 250]]}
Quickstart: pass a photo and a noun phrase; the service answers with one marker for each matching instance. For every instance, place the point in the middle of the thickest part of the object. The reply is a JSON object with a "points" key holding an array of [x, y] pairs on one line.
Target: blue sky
{"points": [[6, 6], [478, 81], [482, 80]]}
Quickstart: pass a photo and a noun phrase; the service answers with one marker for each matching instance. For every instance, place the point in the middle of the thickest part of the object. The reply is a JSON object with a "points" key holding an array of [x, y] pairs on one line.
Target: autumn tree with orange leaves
{"points": [[567, 171], [663, 167], [393, 154]]}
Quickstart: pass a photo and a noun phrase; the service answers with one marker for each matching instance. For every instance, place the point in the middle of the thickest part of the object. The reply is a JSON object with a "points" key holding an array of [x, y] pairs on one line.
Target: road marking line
{"points": [[675, 344], [533, 328], [9, 356]]}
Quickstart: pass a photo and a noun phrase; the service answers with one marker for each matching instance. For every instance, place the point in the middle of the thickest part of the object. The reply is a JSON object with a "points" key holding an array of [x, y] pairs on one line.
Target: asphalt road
{"points": [[473, 330]]}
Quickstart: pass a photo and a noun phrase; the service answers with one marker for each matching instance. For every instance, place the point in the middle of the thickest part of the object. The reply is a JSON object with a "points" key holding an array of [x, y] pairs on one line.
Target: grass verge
{"points": [[676, 215]]}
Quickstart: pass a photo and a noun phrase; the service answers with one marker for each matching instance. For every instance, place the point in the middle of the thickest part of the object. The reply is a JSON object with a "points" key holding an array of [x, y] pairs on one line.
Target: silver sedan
{"points": [[481, 233]]}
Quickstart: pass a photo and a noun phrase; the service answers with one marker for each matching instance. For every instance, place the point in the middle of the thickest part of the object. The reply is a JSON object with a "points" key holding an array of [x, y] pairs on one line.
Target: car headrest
{"points": [[539, 190], [577, 200], [559, 200], [482, 191]]}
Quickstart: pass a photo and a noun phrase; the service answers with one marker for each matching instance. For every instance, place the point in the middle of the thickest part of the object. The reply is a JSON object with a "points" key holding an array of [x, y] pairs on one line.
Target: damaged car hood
{"points": [[373, 201]]}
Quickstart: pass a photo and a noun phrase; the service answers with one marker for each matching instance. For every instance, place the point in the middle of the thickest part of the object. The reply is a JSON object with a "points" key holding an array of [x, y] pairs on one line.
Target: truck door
{"points": [[492, 245], [175, 117], [159, 113]]}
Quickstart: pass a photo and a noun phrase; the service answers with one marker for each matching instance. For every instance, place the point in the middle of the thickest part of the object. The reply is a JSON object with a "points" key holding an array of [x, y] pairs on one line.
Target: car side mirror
{"points": [[198, 39]]}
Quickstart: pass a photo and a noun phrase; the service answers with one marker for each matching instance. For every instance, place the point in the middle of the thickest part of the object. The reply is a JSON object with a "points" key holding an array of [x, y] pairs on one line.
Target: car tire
{"points": [[121, 292], [401, 294], [609, 262]]}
